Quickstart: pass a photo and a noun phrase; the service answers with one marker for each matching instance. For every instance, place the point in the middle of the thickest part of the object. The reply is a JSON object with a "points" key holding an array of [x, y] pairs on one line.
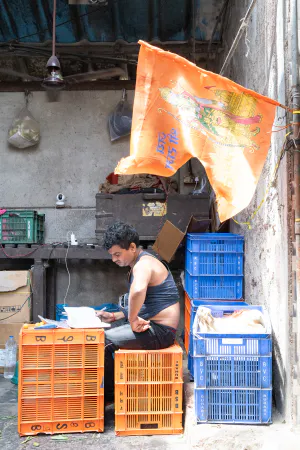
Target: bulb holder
{"points": [[54, 80], [53, 61]]}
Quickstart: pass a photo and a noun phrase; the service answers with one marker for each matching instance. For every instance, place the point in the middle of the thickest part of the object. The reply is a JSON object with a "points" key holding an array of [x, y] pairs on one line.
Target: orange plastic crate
{"points": [[186, 339], [61, 381], [148, 391], [187, 312]]}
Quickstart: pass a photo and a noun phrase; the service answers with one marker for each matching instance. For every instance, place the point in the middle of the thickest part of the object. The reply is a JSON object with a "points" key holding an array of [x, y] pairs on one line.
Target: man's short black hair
{"points": [[121, 234]]}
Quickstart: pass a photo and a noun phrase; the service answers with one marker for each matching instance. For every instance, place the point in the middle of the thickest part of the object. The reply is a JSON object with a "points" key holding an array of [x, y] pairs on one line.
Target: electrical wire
{"points": [[54, 245], [56, 26], [39, 52], [284, 149], [17, 312], [66, 262], [21, 256], [238, 36]]}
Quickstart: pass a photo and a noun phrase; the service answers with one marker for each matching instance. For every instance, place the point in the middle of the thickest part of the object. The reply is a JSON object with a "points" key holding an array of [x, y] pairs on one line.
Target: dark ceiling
{"points": [[106, 34]]}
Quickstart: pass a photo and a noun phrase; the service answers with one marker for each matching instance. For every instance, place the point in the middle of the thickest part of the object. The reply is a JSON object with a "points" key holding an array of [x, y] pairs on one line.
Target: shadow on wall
{"points": [[279, 379], [91, 282]]}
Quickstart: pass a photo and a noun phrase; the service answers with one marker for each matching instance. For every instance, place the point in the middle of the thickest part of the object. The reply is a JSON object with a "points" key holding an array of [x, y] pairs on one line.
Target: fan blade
{"points": [[22, 75], [103, 74]]}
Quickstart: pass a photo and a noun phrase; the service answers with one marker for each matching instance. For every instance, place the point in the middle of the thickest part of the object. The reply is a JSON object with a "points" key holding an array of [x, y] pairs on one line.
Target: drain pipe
{"points": [[296, 161]]}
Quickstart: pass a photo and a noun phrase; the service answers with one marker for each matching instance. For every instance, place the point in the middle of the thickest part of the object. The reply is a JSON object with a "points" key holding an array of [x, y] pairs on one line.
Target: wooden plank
{"points": [[48, 252], [100, 85]]}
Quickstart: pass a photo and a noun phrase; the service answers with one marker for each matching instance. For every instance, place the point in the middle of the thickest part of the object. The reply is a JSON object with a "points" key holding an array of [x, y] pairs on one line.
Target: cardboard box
{"points": [[9, 329], [170, 237], [6, 330], [15, 296]]}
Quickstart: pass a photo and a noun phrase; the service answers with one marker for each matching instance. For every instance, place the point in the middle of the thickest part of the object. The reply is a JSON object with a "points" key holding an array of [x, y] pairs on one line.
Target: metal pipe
{"points": [[296, 161], [54, 28], [194, 30], [219, 18]]}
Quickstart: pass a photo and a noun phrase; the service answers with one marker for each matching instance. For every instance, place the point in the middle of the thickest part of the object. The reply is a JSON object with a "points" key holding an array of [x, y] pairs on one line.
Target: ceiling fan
{"points": [[54, 80]]}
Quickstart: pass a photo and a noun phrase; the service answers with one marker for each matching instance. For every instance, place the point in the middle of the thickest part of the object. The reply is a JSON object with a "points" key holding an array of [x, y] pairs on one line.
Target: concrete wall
{"points": [[261, 67], [74, 156]]}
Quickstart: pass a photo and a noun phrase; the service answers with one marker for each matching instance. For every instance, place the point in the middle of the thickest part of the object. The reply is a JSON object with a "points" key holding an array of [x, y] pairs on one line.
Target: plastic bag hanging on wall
{"points": [[25, 130], [119, 121]]}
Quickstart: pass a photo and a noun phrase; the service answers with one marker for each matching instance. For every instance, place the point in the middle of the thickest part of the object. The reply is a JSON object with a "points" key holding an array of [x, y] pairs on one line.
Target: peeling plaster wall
{"points": [[259, 64]]}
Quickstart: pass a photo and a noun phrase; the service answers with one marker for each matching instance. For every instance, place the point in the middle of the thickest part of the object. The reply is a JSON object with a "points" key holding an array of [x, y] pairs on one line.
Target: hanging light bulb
{"points": [[54, 80]]}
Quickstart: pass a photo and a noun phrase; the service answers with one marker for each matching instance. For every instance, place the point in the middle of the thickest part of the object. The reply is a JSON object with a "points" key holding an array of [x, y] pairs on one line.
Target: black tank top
{"points": [[158, 297]]}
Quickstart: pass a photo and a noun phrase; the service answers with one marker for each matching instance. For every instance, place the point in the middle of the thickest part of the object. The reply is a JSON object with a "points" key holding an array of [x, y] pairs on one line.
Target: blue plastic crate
{"points": [[214, 263], [237, 343], [208, 303], [214, 287], [251, 406], [191, 366], [194, 307], [232, 360], [233, 371], [212, 344], [61, 315], [215, 242]]}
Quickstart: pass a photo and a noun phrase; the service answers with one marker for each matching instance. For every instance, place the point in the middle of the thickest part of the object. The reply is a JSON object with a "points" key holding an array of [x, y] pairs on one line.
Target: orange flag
{"points": [[181, 111]]}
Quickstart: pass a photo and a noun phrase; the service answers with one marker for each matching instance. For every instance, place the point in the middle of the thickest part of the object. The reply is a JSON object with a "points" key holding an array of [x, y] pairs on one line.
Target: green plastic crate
{"points": [[22, 227]]}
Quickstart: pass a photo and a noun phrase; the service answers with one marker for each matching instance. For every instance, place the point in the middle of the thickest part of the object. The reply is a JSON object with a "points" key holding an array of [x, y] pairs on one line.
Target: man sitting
{"points": [[153, 301]]}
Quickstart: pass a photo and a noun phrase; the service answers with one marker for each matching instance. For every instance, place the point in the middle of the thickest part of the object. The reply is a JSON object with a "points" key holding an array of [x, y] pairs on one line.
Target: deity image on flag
{"points": [[228, 120], [181, 111]]}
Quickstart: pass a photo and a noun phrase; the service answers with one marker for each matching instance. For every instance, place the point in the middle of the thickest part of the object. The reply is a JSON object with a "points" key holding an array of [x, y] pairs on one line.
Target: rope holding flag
{"points": [[182, 111]]}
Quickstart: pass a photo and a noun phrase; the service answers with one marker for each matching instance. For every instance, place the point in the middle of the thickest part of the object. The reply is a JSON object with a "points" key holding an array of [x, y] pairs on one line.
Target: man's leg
{"points": [[156, 337]]}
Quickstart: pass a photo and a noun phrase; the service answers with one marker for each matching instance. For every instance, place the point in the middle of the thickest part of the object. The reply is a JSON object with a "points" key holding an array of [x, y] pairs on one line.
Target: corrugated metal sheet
{"points": [[126, 20]]}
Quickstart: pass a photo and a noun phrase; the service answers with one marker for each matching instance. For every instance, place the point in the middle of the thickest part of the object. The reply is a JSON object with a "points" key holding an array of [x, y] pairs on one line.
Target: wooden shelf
{"points": [[48, 251]]}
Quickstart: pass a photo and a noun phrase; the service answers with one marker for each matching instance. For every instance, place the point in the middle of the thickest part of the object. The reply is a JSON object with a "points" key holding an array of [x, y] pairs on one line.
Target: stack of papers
{"points": [[84, 317]]}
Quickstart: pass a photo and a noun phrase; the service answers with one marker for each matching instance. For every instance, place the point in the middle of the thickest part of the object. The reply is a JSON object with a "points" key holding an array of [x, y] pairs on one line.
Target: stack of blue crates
{"points": [[214, 273], [233, 373], [214, 266]]}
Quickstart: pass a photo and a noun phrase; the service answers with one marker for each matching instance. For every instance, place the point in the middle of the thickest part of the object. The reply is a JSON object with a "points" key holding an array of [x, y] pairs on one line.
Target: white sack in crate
{"points": [[246, 321], [24, 131]]}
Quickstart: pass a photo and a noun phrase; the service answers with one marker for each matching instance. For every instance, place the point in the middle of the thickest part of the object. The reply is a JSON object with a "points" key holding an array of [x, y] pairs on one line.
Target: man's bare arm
{"points": [[137, 294]]}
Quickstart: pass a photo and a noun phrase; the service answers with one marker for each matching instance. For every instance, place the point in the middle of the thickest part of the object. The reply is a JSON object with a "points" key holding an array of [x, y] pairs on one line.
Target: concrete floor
{"points": [[278, 436]]}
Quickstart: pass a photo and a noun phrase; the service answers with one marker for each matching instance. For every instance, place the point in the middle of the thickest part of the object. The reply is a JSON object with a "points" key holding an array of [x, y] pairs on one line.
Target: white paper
{"points": [[84, 317], [59, 324]]}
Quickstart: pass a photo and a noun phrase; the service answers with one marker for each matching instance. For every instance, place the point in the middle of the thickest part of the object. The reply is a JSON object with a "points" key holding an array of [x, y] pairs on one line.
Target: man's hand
{"points": [[105, 316], [138, 325]]}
